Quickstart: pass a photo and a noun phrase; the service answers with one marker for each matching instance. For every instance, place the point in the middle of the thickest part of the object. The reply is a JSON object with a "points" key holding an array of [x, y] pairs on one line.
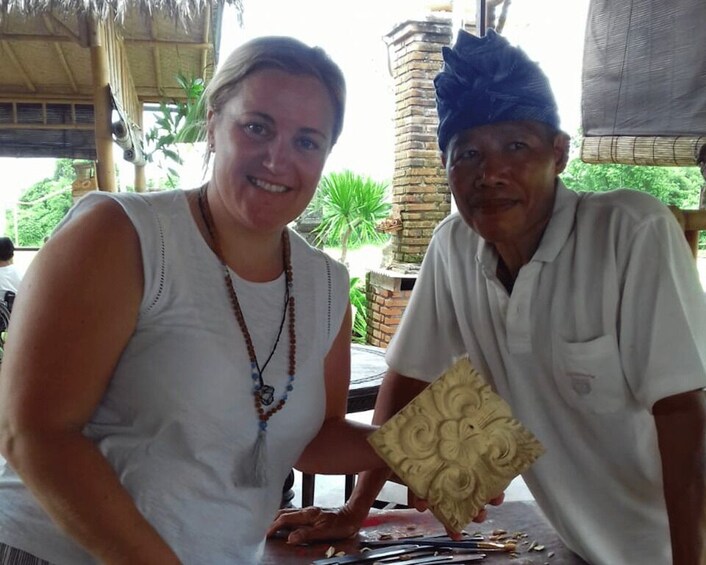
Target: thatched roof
{"points": [[181, 10], [47, 81]]}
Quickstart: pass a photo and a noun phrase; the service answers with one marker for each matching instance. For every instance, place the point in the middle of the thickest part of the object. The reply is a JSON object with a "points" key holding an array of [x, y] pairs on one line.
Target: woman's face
{"points": [[271, 140]]}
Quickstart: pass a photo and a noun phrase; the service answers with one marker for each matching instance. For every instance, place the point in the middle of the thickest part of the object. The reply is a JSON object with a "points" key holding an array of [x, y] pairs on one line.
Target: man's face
{"points": [[503, 178]]}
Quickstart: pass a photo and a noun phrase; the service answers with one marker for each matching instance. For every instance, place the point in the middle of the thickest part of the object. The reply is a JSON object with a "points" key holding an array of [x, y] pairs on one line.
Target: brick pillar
{"points": [[388, 293], [420, 194]]}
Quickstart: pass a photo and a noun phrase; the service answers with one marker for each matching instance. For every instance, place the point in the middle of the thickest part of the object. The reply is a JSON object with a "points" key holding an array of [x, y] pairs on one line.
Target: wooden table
{"points": [[367, 370], [510, 516]]}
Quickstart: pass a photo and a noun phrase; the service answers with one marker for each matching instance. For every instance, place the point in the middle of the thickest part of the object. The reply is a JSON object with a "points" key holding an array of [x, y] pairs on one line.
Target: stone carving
{"points": [[456, 445]]}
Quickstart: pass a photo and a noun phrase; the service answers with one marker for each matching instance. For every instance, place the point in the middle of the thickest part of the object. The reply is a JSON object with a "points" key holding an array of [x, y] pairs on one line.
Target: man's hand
{"points": [[421, 505], [314, 524]]}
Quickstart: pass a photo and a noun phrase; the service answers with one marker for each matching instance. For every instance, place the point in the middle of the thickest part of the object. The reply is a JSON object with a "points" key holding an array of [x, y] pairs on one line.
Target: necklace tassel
{"points": [[252, 471]]}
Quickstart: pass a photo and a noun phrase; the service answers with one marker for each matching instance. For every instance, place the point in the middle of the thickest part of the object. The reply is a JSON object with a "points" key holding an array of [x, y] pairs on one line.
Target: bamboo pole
{"points": [[140, 179], [102, 107]]}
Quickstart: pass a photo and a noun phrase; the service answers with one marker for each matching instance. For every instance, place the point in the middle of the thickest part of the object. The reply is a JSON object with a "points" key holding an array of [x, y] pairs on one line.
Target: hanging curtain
{"points": [[644, 82]]}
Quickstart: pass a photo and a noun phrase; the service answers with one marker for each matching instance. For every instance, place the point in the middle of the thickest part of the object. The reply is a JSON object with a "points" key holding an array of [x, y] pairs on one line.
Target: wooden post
{"points": [[140, 179], [692, 238], [692, 222], [481, 17], [102, 107]]}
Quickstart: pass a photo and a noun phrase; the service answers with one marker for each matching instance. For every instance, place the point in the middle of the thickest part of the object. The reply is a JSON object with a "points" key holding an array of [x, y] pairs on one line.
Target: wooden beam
{"points": [[49, 24], [692, 222], [206, 33], [157, 62], [167, 43], [149, 95], [65, 64], [20, 125], [43, 38], [19, 98], [66, 29], [102, 108], [694, 219], [20, 69]]}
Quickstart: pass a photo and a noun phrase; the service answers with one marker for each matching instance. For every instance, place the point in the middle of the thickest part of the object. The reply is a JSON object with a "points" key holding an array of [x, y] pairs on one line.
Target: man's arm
{"points": [[681, 431]]}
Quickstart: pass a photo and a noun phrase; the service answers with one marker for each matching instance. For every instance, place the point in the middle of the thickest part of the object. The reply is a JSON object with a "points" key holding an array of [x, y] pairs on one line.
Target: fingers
{"points": [[481, 516], [324, 529], [498, 500], [453, 534], [300, 535], [292, 518], [415, 502]]}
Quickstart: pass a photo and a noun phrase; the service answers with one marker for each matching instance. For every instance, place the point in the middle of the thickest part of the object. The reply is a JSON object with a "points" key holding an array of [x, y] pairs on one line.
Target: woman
{"points": [[152, 399]]}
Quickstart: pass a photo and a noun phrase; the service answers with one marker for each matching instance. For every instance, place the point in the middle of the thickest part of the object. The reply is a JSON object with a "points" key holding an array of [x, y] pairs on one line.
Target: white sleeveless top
{"points": [[178, 412]]}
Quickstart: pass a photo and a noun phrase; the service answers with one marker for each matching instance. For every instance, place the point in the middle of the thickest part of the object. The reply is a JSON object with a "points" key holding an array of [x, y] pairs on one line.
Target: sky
{"points": [[550, 31]]}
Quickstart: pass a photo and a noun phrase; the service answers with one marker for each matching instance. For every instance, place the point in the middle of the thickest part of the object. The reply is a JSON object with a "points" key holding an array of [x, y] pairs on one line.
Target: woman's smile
{"points": [[267, 186]]}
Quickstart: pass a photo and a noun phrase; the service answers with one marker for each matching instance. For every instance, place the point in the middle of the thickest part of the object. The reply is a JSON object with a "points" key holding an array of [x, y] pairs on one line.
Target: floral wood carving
{"points": [[456, 445]]}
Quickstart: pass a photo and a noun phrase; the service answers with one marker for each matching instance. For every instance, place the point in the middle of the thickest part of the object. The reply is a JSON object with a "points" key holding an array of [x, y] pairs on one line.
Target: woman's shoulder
{"points": [[129, 200], [310, 253], [317, 260], [142, 208]]}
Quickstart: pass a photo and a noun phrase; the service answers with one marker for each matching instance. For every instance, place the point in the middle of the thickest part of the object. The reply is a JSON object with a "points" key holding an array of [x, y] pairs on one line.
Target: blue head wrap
{"points": [[486, 80]]}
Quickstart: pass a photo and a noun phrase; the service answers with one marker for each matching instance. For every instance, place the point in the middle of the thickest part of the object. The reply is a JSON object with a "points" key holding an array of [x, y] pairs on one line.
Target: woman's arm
{"points": [[341, 446], [313, 524], [76, 312]]}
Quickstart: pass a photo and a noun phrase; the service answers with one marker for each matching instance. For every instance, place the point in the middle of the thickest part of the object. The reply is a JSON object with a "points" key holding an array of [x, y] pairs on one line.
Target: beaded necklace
{"points": [[254, 474]]}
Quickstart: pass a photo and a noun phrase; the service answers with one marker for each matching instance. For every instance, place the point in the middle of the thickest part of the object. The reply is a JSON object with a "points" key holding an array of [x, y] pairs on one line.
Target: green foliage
{"points": [[177, 122], [675, 186], [42, 206], [360, 304], [351, 206]]}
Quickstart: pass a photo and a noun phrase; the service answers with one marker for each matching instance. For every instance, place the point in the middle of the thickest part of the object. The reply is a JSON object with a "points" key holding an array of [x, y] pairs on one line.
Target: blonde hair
{"points": [[283, 53]]}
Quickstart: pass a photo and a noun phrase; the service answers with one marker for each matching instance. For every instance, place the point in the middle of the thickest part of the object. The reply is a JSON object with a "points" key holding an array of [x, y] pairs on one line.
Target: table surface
{"points": [[367, 370], [513, 517]]}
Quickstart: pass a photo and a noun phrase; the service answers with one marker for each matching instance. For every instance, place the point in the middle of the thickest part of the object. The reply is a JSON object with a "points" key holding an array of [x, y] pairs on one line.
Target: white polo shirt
{"points": [[607, 318]]}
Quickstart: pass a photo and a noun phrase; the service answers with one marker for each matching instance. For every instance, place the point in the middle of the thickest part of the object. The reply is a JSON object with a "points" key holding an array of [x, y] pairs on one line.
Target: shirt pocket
{"points": [[589, 374]]}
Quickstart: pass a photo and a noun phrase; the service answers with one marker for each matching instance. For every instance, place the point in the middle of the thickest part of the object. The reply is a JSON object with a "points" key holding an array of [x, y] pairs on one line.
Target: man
{"points": [[9, 277], [583, 310]]}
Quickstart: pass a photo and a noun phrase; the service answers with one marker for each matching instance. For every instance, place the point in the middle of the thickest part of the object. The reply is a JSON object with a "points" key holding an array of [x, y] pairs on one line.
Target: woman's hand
{"points": [[421, 505], [314, 524]]}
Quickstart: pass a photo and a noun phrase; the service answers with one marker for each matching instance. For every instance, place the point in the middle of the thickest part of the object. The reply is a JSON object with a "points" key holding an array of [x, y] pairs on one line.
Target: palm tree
{"points": [[178, 122], [351, 207]]}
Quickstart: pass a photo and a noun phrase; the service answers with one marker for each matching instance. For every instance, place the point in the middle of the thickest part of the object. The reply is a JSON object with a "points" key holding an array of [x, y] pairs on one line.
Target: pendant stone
{"points": [[267, 394]]}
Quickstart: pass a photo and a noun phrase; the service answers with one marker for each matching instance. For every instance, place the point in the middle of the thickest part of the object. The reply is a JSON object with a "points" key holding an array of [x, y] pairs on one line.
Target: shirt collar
{"points": [[560, 224]]}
